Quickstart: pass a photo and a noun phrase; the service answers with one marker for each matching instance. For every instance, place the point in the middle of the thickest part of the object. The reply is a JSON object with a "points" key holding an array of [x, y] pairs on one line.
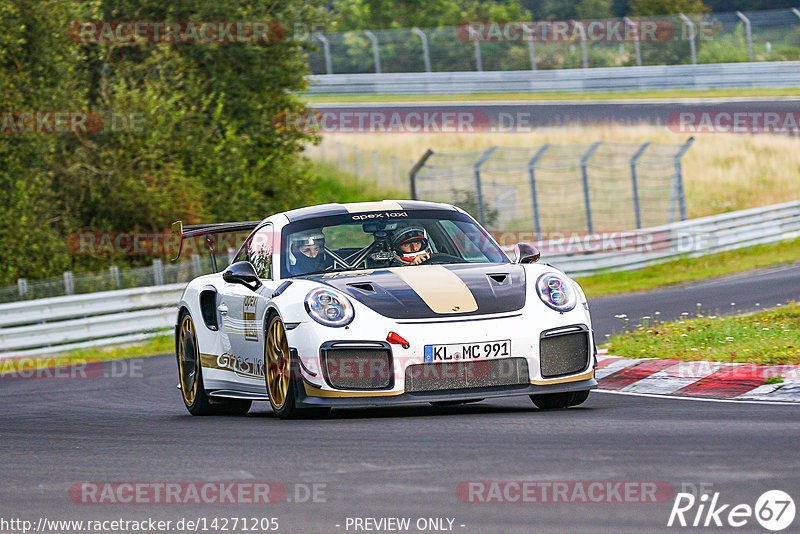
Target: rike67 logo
{"points": [[774, 510]]}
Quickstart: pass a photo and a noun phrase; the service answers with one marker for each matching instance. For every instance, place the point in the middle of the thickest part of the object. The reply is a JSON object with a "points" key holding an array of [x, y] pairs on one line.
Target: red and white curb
{"points": [[718, 380]]}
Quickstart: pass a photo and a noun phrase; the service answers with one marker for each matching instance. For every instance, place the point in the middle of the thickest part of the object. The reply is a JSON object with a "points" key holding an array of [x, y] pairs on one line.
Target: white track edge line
{"points": [[702, 399]]}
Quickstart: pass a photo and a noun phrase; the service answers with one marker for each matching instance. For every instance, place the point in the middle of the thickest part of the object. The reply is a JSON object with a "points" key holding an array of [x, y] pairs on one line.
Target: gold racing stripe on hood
{"points": [[381, 205], [442, 290]]}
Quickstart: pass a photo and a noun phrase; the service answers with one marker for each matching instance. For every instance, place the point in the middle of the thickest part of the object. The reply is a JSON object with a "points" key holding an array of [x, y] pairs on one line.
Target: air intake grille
{"points": [[564, 354], [358, 368], [466, 375]]}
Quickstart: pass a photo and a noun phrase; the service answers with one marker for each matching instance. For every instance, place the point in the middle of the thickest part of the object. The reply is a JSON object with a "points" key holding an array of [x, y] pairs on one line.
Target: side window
{"points": [[469, 243], [259, 251]]}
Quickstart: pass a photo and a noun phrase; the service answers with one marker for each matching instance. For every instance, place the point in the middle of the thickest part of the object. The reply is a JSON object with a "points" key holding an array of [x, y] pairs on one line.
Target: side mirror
{"points": [[242, 272], [526, 253]]}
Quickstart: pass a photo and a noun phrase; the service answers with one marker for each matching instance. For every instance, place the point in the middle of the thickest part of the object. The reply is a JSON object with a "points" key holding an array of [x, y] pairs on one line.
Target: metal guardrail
{"points": [[624, 251], [780, 74], [52, 325], [58, 324]]}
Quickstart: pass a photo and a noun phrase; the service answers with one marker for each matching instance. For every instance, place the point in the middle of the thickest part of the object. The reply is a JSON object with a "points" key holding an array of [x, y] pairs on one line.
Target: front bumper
{"points": [[309, 396]]}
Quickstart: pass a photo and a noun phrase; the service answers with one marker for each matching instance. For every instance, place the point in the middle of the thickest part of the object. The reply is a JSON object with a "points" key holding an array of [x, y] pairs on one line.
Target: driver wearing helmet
{"points": [[411, 246], [307, 252]]}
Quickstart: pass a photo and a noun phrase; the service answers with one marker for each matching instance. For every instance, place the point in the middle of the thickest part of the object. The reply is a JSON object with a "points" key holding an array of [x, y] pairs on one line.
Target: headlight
{"points": [[329, 307], [557, 292]]}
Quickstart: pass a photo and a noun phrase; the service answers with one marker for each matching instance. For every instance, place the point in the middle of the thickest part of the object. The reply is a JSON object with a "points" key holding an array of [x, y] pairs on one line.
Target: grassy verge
{"points": [[691, 269], [158, 345], [769, 338], [334, 185], [712, 93]]}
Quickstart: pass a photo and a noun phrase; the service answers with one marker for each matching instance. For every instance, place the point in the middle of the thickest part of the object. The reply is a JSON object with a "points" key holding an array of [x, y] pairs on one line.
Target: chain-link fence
{"points": [[772, 35], [388, 172], [113, 278], [553, 188]]}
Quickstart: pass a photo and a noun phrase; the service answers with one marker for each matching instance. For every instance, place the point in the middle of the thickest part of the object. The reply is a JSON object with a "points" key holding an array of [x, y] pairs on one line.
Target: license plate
{"points": [[468, 351]]}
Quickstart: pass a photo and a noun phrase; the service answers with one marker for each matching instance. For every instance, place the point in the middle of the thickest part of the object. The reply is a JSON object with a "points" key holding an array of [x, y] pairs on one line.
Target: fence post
{"points": [[376, 166], [636, 45], [585, 176], [532, 177], [376, 56], [114, 270], [796, 12], [478, 188], [339, 156], [395, 172], [678, 187], [22, 287], [749, 31], [357, 152], [478, 59], [686, 20], [412, 174], [636, 207], [532, 54], [578, 24], [69, 283], [326, 50], [426, 54], [197, 269], [158, 272]]}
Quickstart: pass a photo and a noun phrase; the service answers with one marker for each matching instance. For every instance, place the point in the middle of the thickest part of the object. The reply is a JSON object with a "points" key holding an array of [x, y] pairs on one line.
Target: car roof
{"points": [[311, 212]]}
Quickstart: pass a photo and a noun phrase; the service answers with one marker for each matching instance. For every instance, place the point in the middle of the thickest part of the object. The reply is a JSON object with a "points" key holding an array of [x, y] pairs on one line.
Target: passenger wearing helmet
{"points": [[411, 246], [307, 252]]}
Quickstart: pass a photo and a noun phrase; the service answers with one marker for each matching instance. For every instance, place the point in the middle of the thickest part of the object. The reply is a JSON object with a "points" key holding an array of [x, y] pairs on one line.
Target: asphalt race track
{"points": [[402, 462], [547, 113]]}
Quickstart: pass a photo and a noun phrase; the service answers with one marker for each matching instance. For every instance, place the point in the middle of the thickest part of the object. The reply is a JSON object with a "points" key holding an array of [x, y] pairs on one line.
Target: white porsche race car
{"points": [[378, 303]]}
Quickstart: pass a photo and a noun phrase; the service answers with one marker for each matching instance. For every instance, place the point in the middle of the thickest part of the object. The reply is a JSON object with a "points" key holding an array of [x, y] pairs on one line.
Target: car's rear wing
{"points": [[208, 230]]}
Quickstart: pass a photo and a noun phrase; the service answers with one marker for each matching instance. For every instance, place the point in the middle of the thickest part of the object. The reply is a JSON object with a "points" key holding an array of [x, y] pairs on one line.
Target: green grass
{"points": [[334, 185], [691, 269], [711, 93], [768, 338], [162, 344]]}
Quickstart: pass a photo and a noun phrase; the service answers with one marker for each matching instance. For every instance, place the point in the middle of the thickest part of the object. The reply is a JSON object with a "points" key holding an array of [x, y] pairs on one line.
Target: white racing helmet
{"points": [[410, 234], [305, 238]]}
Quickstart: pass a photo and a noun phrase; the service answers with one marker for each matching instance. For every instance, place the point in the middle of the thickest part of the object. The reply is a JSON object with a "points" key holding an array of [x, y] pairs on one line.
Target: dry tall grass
{"points": [[722, 172]]}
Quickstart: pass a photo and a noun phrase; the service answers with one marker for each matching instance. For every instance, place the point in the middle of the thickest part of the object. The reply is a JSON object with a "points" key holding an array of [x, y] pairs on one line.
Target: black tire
{"points": [[555, 401], [190, 375]]}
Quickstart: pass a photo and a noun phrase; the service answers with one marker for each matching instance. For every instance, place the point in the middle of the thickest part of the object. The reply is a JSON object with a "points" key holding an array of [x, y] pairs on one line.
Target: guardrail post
{"points": [[197, 268], [478, 187], [532, 54], [412, 174], [69, 283], [114, 271], [376, 55], [158, 272], [677, 190], [532, 177], [585, 177], [686, 20], [636, 45], [426, 55], [584, 52], [749, 30], [326, 50], [22, 287], [634, 183]]}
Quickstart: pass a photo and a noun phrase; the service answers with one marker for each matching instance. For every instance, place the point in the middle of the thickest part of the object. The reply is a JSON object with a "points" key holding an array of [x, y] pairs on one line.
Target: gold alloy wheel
{"points": [[188, 360], [276, 361]]}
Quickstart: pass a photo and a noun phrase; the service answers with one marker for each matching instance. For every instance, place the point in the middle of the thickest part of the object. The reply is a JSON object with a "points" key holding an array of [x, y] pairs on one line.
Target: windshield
{"points": [[380, 239]]}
